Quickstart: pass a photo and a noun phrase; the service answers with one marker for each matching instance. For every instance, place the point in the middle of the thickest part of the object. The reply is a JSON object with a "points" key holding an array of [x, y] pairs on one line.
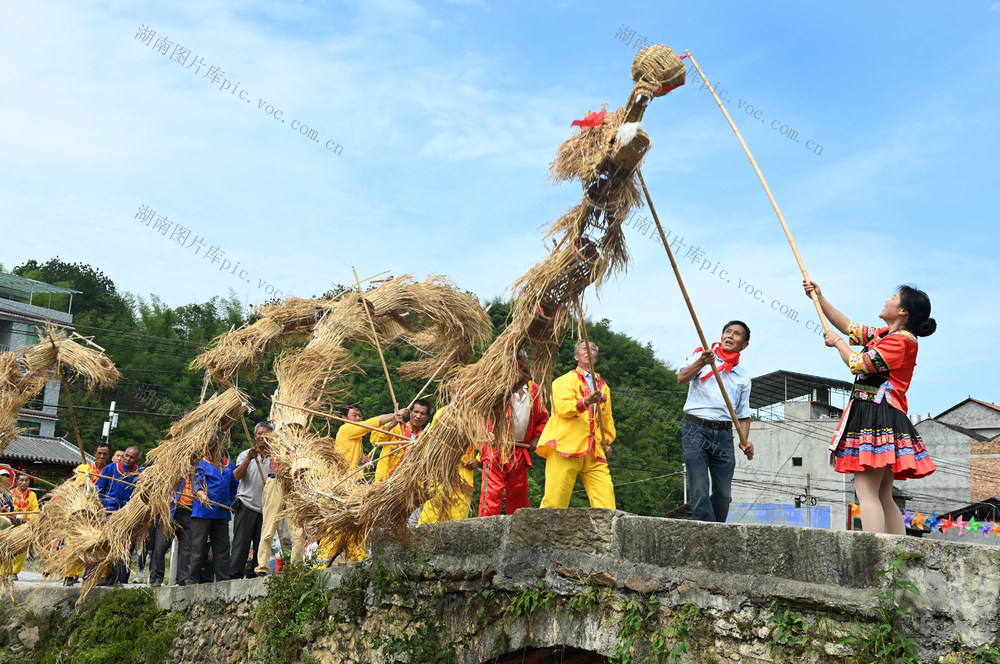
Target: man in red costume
{"points": [[526, 418]]}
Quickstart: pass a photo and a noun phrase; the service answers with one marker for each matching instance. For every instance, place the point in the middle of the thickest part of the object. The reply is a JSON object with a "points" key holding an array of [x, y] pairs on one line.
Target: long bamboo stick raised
{"points": [[378, 346], [593, 376], [37, 479], [774, 203], [340, 419], [185, 495], [69, 400], [744, 443], [433, 376]]}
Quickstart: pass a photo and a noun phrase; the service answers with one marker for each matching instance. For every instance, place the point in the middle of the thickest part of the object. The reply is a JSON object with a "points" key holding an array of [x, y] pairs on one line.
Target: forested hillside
{"points": [[152, 344]]}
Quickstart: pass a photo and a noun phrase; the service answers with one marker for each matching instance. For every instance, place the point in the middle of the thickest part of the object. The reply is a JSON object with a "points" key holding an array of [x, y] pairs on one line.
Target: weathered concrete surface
{"points": [[726, 566], [733, 572]]}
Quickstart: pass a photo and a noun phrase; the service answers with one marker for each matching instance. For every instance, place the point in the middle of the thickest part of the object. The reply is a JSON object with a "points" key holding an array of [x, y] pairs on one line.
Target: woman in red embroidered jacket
{"points": [[875, 440]]}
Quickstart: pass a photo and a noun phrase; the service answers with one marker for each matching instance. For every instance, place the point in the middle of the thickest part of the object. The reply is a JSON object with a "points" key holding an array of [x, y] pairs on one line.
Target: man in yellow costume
{"points": [[451, 503], [92, 471], [350, 436], [572, 442], [389, 457]]}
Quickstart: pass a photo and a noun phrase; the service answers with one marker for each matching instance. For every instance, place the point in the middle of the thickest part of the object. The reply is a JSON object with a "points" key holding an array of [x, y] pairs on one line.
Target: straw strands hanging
{"points": [[73, 514], [200, 433], [243, 349], [589, 247], [24, 372]]}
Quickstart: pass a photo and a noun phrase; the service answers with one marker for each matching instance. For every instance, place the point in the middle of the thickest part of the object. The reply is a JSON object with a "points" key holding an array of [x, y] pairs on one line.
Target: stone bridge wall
{"points": [[602, 583]]}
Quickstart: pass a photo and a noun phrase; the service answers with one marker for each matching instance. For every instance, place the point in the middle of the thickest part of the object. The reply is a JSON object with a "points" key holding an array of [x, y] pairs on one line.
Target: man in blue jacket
{"points": [[115, 487], [117, 481], [210, 522]]}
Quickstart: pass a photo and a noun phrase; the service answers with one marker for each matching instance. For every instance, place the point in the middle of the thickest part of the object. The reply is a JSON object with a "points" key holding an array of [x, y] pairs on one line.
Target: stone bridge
{"points": [[587, 585]]}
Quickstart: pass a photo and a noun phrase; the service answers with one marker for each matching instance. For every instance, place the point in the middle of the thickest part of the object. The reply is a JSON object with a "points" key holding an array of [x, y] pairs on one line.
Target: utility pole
{"points": [[808, 499], [110, 424]]}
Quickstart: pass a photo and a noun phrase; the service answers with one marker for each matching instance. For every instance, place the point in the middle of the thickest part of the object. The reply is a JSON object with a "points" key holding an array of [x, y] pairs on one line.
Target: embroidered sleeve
{"points": [[860, 335], [885, 356]]}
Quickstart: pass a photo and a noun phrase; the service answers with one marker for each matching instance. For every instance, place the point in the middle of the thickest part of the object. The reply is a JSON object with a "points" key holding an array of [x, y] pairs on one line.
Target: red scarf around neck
{"points": [[729, 360]]}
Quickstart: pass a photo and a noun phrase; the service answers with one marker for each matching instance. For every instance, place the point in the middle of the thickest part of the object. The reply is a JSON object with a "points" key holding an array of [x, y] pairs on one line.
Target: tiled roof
{"points": [[965, 401], [42, 448], [990, 405]]}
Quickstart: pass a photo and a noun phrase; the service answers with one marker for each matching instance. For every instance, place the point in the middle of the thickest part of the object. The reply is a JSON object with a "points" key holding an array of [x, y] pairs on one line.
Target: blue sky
{"points": [[447, 115]]}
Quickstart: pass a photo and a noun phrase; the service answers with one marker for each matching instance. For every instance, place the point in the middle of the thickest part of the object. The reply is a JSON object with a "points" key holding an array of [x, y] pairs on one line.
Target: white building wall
{"points": [[975, 416], [949, 487], [764, 489]]}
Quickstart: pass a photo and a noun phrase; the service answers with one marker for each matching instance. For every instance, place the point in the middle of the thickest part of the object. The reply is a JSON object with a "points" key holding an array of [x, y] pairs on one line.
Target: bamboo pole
{"points": [[433, 376], [369, 463], [69, 400], [186, 495], [37, 479], [378, 346], [593, 376], [767, 190], [340, 419], [744, 443], [253, 440]]}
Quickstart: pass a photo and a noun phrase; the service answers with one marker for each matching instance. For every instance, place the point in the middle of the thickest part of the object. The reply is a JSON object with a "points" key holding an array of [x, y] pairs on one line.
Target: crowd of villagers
{"points": [[226, 515]]}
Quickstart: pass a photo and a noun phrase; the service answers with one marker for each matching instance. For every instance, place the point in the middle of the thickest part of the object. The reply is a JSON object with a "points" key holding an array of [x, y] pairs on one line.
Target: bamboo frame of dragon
{"points": [[378, 347]]}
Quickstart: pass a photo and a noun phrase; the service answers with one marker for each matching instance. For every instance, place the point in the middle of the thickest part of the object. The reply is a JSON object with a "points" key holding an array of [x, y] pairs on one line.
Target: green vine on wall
{"points": [[109, 628], [885, 639], [295, 605]]}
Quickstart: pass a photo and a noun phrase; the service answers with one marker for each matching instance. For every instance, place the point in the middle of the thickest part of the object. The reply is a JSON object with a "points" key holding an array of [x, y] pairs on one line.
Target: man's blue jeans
{"points": [[707, 452]]}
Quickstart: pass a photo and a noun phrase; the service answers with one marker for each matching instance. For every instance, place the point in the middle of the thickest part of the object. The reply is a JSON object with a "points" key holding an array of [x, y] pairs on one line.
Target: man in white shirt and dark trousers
{"points": [[249, 498], [707, 435]]}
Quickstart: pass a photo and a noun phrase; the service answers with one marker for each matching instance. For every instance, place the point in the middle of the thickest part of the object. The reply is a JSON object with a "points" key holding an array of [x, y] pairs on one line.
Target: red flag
{"points": [[592, 120]]}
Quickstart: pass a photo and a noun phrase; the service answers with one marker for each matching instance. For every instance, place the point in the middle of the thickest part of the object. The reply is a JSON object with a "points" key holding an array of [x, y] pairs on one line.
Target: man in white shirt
{"points": [[707, 435], [252, 466]]}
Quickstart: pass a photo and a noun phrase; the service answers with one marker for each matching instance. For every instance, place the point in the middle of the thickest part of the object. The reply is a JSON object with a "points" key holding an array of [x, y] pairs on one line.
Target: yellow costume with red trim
{"points": [[24, 501], [451, 503], [87, 471], [571, 443], [349, 439], [388, 457]]}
